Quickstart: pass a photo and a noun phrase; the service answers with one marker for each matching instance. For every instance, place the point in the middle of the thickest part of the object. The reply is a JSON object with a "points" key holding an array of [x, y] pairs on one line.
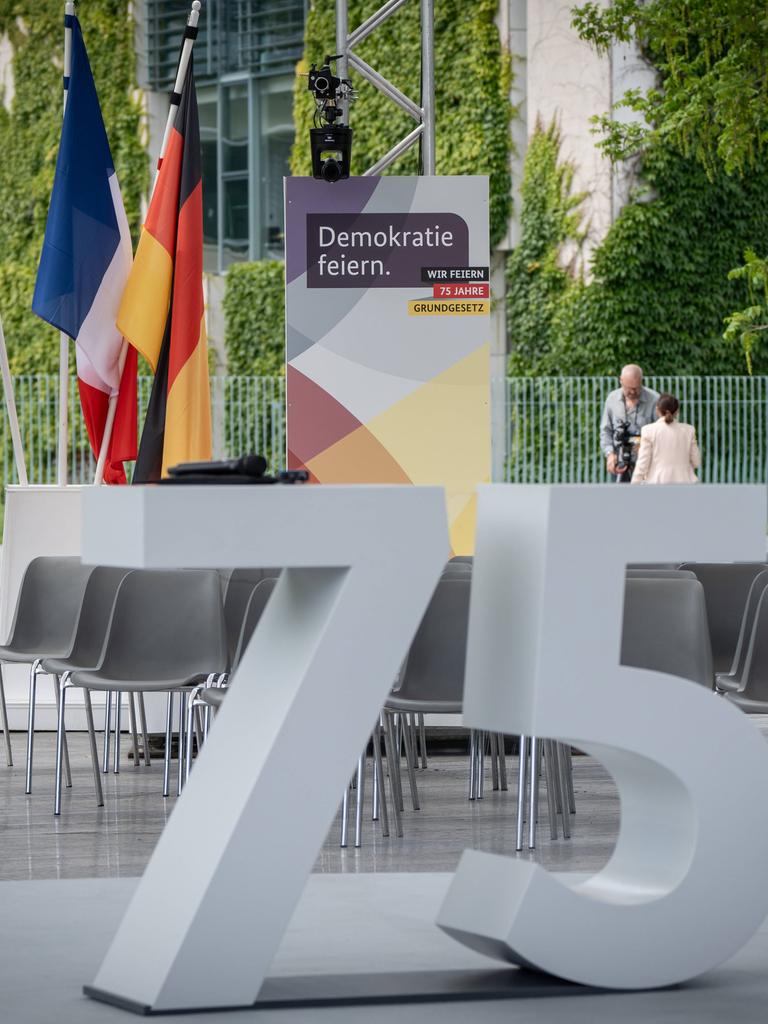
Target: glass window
{"points": [[276, 142], [246, 136], [209, 134], [235, 173], [236, 221], [234, 138]]}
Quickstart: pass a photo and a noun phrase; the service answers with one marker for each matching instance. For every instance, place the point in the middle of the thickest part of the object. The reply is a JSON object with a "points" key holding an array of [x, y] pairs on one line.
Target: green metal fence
{"points": [[248, 416], [552, 425]]}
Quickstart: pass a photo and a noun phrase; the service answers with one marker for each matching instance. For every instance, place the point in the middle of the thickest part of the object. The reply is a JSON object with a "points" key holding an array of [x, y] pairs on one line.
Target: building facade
{"points": [[245, 63]]}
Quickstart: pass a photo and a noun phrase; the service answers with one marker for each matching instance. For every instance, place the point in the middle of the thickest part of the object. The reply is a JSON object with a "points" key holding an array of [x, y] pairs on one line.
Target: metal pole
{"points": [[10, 404], [428, 86], [342, 64], [63, 436], [181, 74], [394, 153]]}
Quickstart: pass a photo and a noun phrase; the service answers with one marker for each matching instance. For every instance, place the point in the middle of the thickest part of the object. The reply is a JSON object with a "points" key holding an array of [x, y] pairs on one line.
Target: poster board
{"points": [[388, 335]]}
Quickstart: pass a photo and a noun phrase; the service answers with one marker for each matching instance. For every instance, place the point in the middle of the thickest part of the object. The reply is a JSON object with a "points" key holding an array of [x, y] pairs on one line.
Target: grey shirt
{"points": [[616, 410]]}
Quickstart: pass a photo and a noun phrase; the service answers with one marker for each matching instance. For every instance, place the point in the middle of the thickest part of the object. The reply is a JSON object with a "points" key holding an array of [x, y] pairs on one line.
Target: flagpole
{"points": [[69, 11], [10, 404], [181, 74]]}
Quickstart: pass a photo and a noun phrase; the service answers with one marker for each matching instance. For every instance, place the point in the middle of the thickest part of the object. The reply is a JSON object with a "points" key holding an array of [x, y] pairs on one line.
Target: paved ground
{"points": [[117, 840]]}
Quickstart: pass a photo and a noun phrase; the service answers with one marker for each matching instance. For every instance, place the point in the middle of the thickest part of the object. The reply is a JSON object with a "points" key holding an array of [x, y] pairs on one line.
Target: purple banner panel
{"points": [[381, 250]]}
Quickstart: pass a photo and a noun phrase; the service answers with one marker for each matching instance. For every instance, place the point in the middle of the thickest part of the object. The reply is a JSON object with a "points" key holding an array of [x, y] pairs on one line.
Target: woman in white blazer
{"points": [[668, 453]]}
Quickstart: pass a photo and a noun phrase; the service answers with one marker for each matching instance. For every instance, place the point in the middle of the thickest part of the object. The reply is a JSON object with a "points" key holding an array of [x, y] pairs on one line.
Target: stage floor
{"points": [[55, 933]]}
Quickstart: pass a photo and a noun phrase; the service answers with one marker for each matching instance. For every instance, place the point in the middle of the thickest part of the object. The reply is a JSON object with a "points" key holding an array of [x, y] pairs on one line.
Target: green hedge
{"points": [[255, 318], [473, 75], [660, 291], [29, 138]]}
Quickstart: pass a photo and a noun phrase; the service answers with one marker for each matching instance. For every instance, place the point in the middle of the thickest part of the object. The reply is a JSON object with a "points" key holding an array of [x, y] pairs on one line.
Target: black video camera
{"points": [[322, 81], [331, 143], [625, 447]]}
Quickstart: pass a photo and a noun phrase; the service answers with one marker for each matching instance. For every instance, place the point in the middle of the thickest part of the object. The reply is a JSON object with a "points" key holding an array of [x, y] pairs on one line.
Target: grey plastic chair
{"points": [[165, 634], [205, 697], [432, 677], [44, 625], [726, 587], [239, 587], [665, 628], [732, 680], [90, 635], [753, 696]]}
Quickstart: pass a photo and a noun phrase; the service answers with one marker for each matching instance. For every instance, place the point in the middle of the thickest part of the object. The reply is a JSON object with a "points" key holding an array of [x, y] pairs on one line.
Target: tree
{"points": [[710, 105], [712, 59]]}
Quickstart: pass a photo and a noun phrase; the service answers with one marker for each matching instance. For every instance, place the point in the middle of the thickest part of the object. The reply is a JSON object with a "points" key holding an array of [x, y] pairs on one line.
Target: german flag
{"points": [[162, 311]]}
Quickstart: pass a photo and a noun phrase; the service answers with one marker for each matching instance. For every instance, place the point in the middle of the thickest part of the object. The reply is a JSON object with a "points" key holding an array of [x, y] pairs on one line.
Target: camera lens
{"points": [[322, 84], [331, 171]]}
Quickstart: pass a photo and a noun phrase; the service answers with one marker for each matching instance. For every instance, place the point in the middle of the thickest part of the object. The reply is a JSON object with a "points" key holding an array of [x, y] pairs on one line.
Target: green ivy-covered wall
{"points": [[29, 138], [254, 311], [660, 290]]}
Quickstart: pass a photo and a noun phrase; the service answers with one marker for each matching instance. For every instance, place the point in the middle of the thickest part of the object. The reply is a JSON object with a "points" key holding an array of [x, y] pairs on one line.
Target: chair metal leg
{"points": [[569, 777], [6, 730], [144, 732], [533, 808], [494, 760], [182, 725], [378, 777], [198, 730], [94, 749], [107, 729], [60, 702], [393, 773], [168, 738], [410, 764], [134, 731], [344, 841], [375, 810], [502, 761], [190, 727], [31, 722], [394, 761], [472, 763], [480, 771], [521, 791], [67, 769], [359, 799], [550, 774], [423, 740], [563, 785], [118, 727]]}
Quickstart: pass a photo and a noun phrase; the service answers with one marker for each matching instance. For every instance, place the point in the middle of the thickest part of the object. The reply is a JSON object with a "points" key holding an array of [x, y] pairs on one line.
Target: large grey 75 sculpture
{"points": [[543, 659]]}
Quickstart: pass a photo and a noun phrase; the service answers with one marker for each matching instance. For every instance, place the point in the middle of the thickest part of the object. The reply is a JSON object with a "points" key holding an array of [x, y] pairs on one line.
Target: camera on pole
{"points": [[331, 143]]}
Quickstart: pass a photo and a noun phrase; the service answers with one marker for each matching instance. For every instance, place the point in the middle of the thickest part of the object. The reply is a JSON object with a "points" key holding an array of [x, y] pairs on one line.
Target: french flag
{"points": [[85, 263]]}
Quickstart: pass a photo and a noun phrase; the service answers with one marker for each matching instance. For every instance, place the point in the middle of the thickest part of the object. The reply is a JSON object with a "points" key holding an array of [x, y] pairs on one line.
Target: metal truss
{"points": [[423, 113]]}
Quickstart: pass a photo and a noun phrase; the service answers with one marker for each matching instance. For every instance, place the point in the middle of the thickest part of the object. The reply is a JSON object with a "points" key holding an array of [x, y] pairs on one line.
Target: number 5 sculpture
{"points": [[685, 887]]}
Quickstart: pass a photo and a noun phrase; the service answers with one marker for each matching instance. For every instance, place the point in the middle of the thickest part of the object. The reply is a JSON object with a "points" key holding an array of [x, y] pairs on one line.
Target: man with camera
{"points": [[627, 410]]}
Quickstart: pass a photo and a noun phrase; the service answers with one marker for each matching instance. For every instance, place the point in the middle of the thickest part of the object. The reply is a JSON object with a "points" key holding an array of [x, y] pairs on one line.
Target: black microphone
{"points": [[246, 465]]}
